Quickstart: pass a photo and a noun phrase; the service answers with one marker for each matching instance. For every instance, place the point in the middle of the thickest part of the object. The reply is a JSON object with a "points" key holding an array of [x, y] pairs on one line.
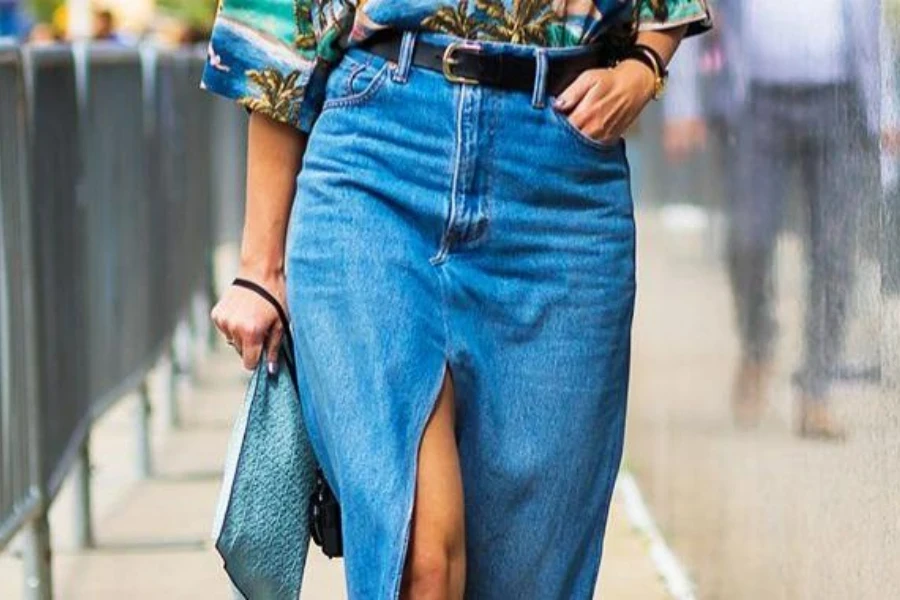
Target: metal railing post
{"points": [[142, 432], [37, 552], [37, 557], [84, 529], [170, 387], [200, 324], [184, 348]]}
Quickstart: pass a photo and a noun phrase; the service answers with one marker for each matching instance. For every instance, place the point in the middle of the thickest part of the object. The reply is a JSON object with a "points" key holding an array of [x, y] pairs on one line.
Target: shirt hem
{"points": [[697, 24]]}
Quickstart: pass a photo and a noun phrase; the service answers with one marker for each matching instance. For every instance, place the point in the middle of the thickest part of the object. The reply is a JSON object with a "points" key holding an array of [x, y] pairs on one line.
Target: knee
{"points": [[435, 572], [429, 574]]}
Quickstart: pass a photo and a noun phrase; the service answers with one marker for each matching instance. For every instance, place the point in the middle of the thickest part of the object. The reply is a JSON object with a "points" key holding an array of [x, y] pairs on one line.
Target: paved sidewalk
{"points": [[153, 535]]}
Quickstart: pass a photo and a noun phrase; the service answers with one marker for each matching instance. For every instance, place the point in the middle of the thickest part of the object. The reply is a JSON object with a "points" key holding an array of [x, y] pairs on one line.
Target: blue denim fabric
{"points": [[444, 226]]}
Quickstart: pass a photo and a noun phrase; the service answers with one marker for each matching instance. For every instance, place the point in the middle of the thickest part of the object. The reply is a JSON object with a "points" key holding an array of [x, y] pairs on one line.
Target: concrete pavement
{"points": [[153, 535], [760, 513]]}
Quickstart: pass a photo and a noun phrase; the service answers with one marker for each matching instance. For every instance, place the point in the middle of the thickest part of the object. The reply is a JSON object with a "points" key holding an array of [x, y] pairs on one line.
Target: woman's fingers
{"points": [[612, 102], [249, 333], [589, 114], [597, 116], [573, 95], [221, 323], [273, 347], [246, 320], [251, 354]]}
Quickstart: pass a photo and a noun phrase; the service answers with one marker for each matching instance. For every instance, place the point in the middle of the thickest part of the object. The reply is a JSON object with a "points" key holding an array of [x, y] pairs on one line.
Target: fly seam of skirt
{"points": [[422, 422], [471, 221], [444, 316], [447, 237]]}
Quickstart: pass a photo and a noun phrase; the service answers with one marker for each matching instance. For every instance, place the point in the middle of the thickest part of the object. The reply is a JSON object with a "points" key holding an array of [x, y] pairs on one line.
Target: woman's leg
{"points": [[435, 562]]}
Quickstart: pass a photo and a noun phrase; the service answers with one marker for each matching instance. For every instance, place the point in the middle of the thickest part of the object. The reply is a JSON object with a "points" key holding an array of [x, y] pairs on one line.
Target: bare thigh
{"points": [[437, 532]]}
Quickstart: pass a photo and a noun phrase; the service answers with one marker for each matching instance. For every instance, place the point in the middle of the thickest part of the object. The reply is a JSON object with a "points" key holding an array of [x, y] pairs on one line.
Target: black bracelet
{"points": [[642, 58], [659, 66], [650, 58]]}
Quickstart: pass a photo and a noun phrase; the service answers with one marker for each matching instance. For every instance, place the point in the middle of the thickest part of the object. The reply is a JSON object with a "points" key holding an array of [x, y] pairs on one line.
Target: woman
{"points": [[457, 256]]}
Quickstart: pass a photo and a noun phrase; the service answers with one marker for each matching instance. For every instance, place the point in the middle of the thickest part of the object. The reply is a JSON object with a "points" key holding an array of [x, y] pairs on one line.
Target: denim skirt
{"points": [[443, 226]]}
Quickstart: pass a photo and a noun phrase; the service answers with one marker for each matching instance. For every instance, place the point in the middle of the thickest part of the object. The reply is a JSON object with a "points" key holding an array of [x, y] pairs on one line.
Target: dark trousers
{"points": [[818, 133], [890, 256]]}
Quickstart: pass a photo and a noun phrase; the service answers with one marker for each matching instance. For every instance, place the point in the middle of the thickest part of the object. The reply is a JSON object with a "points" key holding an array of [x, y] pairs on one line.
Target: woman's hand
{"points": [[603, 103], [249, 322]]}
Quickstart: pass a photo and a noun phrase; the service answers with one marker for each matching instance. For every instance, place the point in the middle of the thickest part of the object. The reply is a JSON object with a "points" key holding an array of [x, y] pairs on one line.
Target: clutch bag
{"points": [[262, 527]]}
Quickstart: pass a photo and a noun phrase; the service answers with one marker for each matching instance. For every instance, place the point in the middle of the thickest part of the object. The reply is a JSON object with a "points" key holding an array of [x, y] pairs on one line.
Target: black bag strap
{"points": [[282, 315]]}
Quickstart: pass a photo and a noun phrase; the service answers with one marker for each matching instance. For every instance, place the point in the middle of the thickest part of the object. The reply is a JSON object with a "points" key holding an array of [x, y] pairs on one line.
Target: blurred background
{"points": [[125, 21], [764, 432]]}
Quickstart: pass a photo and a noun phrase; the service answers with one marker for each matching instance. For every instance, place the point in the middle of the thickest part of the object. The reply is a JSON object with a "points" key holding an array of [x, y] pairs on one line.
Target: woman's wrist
{"points": [[642, 75], [265, 267]]}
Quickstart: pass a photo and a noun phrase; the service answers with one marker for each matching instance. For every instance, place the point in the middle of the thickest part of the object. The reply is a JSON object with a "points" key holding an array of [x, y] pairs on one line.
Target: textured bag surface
{"points": [[261, 528]]}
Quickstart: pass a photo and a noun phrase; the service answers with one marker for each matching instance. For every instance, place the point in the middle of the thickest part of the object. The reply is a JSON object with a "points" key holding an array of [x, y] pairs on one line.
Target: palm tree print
{"points": [[324, 27], [454, 20], [619, 38], [297, 41], [660, 8], [330, 11], [278, 95], [306, 35], [525, 22]]}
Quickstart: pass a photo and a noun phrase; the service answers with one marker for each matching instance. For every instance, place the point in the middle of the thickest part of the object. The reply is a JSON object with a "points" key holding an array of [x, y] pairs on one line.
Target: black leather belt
{"points": [[466, 62]]}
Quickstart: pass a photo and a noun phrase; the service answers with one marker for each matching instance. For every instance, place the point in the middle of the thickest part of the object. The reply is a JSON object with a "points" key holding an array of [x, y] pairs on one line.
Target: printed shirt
{"points": [[273, 56]]}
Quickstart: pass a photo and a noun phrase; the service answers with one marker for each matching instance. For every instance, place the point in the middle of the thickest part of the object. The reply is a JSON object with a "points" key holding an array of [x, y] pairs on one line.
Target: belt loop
{"points": [[539, 94], [404, 61]]}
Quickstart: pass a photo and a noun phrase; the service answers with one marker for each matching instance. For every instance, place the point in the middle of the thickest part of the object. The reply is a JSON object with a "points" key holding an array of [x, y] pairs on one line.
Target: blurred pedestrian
{"points": [[44, 33], [792, 88], [105, 28], [890, 148]]}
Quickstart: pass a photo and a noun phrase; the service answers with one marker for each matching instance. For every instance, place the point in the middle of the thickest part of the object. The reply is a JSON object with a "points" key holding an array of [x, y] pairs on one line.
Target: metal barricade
{"points": [[106, 238], [199, 107], [19, 478], [58, 234], [171, 178], [118, 207]]}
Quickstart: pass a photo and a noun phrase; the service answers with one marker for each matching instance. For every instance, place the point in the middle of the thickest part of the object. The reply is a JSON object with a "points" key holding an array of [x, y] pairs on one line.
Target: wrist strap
{"points": [[282, 315]]}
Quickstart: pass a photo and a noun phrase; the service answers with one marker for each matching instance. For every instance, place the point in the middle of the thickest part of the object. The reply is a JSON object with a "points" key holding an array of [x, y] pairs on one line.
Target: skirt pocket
{"points": [[579, 136], [356, 80]]}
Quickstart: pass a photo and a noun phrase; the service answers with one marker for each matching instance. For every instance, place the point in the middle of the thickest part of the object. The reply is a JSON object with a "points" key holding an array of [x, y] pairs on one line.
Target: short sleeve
{"points": [[262, 54], [657, 15]]}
